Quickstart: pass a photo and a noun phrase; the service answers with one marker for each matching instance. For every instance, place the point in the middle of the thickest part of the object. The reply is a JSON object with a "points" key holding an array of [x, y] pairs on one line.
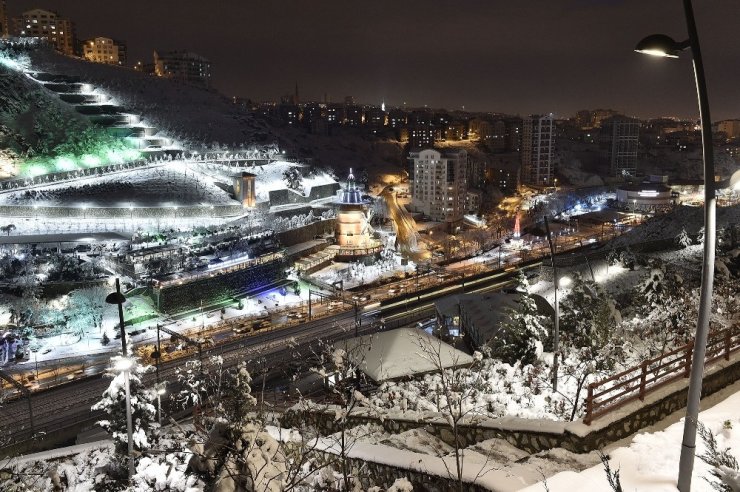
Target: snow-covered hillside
{"points": [[180, 110]]}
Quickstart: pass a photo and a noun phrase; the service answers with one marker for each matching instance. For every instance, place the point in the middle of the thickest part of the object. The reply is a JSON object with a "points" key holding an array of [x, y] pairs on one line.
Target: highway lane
{"points": [[52, 405], [69, 404]]}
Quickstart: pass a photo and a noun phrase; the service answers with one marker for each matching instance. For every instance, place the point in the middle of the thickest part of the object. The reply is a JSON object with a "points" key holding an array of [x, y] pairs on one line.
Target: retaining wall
{"points": [[534, 435], [120, 213], [306, 233]]}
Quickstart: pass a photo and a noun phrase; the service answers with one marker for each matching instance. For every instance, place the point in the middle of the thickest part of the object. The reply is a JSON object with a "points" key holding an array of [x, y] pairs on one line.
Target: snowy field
{"points": [[168, 185], [357, 274], [650, 462]]}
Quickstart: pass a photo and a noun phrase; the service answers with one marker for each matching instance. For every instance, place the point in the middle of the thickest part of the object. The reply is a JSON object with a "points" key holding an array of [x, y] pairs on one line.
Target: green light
{"points": [[65, 164], [131, 154], [91, 160], [36, 170]]}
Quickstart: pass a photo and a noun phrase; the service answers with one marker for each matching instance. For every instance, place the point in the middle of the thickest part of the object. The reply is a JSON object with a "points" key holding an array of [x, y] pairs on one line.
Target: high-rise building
{"points": [[422, 136], [731, 128], [619, 136], [396, 118], [538, 150], [104, 50], [513, 134], [375, 116], [335, 114], [492, 134], [47, 25], [353, 115], [4, 29], [183, 65], [439, 184]]}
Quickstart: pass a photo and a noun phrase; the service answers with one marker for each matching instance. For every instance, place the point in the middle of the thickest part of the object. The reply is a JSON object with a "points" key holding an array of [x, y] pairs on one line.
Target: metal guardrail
{"points": [[635, 383]]}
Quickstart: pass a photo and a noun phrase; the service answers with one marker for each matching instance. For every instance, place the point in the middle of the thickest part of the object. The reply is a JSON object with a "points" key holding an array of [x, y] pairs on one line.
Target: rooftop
{"points": [[402, 353]]}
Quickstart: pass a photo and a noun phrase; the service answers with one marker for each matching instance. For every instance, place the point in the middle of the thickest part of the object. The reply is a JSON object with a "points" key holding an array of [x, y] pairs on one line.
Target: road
{"points": [[70, 404], [408, 238]]}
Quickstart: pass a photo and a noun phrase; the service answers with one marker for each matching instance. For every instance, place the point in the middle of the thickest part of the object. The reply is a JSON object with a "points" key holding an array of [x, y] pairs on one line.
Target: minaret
{"points": [[297, 99]]}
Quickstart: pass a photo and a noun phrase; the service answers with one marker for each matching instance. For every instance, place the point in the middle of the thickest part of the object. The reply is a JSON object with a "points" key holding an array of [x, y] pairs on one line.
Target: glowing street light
{"points": [[159, 389], [664, 46]]}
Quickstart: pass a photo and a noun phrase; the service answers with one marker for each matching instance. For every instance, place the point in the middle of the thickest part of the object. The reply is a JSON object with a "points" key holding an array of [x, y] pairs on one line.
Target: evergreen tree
{"points": [[238, 454], [588, 315], [143, 413], [519, 335], [683, 240]]}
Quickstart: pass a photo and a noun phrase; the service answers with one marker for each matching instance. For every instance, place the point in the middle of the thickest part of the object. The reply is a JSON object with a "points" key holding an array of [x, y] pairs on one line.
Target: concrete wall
{"points": [[533, 435], [221, 287], [120, 213], [306, 233]]}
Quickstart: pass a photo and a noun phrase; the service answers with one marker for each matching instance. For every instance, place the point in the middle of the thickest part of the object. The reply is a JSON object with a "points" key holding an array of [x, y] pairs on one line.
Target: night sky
{"points": [[487, 55]]}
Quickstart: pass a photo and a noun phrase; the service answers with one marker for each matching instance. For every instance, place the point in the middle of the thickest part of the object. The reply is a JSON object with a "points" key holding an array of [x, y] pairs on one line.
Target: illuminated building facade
{"points": [[104, 50], [244, 189], [353, 231], [439, 184], [47, 25], [183, 65], [645, 197], [538, 150]]}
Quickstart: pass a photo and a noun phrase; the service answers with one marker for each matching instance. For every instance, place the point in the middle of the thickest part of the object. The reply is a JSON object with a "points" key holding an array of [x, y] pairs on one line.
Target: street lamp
{"points": [[664, 46], [160, 390], [124, 365], [118, 298]]}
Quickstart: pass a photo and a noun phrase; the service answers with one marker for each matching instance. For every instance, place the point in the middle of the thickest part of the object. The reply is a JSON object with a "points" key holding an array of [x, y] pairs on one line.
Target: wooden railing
{"points": [[633, 384]]}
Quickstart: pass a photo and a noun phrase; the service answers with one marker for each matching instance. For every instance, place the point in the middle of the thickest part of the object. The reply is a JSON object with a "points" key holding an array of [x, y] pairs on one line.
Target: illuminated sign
{"points": [[648, 193]]}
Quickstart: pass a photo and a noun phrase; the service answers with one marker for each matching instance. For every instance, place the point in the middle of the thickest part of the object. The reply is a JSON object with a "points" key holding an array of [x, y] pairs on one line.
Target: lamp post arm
{"points": [[688, 445]]}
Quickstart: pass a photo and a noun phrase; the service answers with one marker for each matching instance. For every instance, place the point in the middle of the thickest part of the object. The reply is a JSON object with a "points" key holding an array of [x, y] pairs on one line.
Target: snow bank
{"points": [[650, 463]]}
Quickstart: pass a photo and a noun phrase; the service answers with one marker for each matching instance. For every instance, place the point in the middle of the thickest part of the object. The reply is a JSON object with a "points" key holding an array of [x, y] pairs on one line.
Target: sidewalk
{"points": [[648, 461]]}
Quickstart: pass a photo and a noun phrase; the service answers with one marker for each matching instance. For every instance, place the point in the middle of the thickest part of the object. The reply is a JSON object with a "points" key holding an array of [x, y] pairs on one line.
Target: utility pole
{"points": [[556, 330]]}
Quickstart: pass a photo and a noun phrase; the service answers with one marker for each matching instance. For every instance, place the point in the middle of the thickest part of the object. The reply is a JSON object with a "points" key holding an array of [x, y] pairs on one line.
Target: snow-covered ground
{"points": [[169, 185], [356, 274], [70, 344], [650, 462], [503, 390], [670, 225]]}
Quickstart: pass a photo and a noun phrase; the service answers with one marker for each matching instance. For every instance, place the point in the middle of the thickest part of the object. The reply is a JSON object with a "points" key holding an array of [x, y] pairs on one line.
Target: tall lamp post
{"points": [[664, 46], [118, 298]]}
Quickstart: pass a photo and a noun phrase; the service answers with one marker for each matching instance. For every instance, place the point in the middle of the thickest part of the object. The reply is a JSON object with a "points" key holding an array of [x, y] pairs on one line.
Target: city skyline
{"points": [[496, 57]]}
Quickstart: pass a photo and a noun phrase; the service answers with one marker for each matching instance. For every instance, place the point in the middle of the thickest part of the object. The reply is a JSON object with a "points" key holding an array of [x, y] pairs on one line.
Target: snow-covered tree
{"points": [[238, 453], [725, 468], [588, 314], [457, 389], [293, 179], [665, 315], [682, 239], [143, 413], [201, 383], [86, 309], [590, 345], [523, 333]]}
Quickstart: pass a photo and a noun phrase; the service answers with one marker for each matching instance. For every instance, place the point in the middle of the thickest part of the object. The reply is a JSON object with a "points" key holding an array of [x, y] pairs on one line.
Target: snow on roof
{"points": [[403, 352], [269, 177]]}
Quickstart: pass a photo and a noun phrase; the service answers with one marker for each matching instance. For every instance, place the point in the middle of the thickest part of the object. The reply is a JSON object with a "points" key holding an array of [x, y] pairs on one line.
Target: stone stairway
{"points": [[102, 109]]}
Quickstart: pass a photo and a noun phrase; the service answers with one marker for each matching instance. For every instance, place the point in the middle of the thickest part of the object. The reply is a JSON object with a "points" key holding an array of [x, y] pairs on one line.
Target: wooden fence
{"points": [[633, 384]]}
